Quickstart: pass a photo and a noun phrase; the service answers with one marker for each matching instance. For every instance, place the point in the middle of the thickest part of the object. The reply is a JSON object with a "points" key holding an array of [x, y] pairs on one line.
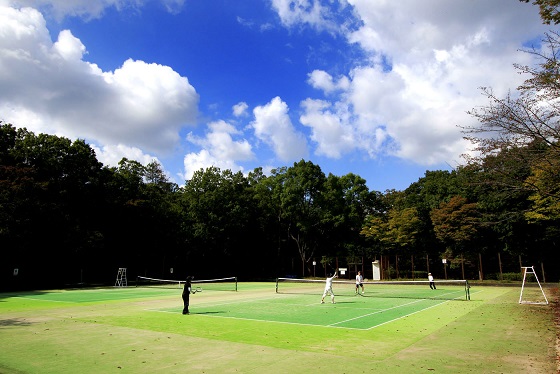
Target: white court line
{"points": [[395, 319], [259, 320], [409, 314], [39, 299], [333, 325], [384, 310]]}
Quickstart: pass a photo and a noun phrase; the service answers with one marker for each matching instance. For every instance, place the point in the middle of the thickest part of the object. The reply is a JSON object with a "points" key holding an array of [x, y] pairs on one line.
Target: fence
{"points": [[490, 266]]}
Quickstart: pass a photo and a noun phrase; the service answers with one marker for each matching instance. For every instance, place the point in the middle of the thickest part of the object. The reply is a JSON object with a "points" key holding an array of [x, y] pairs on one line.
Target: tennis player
{"points": [[431, 280], [359, 282], [328, 288], [186, 294]]}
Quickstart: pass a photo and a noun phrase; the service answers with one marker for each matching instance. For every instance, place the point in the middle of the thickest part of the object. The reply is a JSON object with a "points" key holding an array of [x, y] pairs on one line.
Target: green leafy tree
{"points": [[302, 204], [523, 126], [548, 10], [397, 230], [61, 204], [218, 216], [456, 224], [456, 221], [545, 206]]}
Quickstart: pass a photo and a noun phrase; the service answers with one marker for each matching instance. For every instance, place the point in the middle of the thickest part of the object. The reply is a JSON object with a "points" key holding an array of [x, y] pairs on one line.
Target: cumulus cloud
{"points": [[240, 109], [111, 155], [273, 126], [218, 148], [49, 87], [296, 12], [322, 80], [87, 9], [332, 131], [426, 62]]}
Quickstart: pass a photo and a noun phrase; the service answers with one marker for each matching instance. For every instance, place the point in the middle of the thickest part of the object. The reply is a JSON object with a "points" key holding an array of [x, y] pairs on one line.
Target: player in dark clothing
{"points": [[187, 290]]}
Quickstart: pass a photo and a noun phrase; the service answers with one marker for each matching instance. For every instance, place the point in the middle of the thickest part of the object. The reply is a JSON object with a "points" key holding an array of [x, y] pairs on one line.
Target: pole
{"points": [[500, 263], [314, 264], [481, 276]]}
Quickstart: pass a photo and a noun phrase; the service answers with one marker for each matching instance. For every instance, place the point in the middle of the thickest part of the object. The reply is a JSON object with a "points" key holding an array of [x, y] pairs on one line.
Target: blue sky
{"points": [[374, 88]]}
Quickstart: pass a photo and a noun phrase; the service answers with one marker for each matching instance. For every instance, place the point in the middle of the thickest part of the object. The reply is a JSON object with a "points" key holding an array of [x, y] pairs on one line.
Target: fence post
{"points": [[480, 275]]}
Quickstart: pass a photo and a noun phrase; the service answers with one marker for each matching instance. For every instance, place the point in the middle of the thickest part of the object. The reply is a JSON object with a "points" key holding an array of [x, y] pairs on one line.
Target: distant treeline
{"points": [[68, 220]]}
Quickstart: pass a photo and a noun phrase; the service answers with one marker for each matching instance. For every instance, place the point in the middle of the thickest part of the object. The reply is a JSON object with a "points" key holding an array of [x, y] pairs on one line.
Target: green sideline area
{"points": [[256, 329]]}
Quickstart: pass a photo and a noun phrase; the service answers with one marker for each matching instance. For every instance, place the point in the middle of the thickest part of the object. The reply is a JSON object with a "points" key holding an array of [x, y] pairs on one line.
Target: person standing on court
{"points": [[186, 294], [328, 288], [432, 283], [359, 282]]}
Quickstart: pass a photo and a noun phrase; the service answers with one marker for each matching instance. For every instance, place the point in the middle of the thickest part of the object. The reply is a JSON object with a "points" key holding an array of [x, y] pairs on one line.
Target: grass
{"points": [[256, 330]]}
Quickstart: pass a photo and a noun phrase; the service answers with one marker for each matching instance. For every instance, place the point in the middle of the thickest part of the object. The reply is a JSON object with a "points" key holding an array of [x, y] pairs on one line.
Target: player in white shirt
{"points": [[328, 288], [431, 280], [359, 283]]}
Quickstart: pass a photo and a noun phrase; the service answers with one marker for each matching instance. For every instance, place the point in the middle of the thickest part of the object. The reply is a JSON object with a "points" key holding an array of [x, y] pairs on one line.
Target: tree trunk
{"points": [[480, 274], [500, 263]]}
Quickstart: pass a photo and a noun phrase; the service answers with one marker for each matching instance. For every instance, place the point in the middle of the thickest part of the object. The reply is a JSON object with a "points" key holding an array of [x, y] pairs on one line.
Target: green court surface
{"points": [[348, 312], [256, 329]]}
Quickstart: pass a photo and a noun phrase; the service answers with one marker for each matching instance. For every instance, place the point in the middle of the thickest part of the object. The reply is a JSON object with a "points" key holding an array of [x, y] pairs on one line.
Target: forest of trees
{"points": [[67, 220]]}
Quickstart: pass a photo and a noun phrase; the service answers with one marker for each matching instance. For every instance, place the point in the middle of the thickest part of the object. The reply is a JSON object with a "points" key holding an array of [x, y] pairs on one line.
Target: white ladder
{"points": [[121, 278], [531, 270]]}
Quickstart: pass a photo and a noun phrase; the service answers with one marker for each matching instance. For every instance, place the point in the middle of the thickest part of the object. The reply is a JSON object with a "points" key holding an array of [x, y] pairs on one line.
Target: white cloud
{"points": [[294, 12], [111, 155], [322, 80], [218, 149], [49, 88], [69, 47], [88, 9], [331, 130], [240, 109], [273, 126], [426, 62]]}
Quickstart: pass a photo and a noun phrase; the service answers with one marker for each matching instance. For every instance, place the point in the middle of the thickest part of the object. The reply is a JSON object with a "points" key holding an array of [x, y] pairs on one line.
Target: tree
{"points": [[546, 207], [525, 126], [548, 10], [397, 230], [347, 202], [456, 223], [301, 200], [50, 199], [217, 219]]}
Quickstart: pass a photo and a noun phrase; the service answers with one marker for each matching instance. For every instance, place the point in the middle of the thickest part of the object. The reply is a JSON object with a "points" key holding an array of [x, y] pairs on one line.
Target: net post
{"points": [[235, 284], [276, 285], [467, 290]]}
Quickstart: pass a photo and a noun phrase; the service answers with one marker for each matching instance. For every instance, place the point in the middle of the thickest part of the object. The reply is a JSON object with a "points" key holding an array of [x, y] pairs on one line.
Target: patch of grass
{"points": [[492, 333]]}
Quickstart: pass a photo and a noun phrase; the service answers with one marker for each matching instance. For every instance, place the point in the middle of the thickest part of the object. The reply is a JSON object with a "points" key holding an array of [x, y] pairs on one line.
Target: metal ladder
{"points": [[121, 278], [526, 270]]}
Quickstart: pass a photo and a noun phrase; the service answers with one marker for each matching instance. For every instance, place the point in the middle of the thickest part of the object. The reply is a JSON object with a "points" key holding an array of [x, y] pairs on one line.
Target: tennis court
{"points": [[299, 303], [256, 328], [292, 301]]}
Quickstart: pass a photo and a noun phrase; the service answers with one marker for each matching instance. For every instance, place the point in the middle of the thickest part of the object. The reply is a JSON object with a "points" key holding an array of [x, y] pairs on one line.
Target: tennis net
{"points": [[445, 289], [218, 284]]}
